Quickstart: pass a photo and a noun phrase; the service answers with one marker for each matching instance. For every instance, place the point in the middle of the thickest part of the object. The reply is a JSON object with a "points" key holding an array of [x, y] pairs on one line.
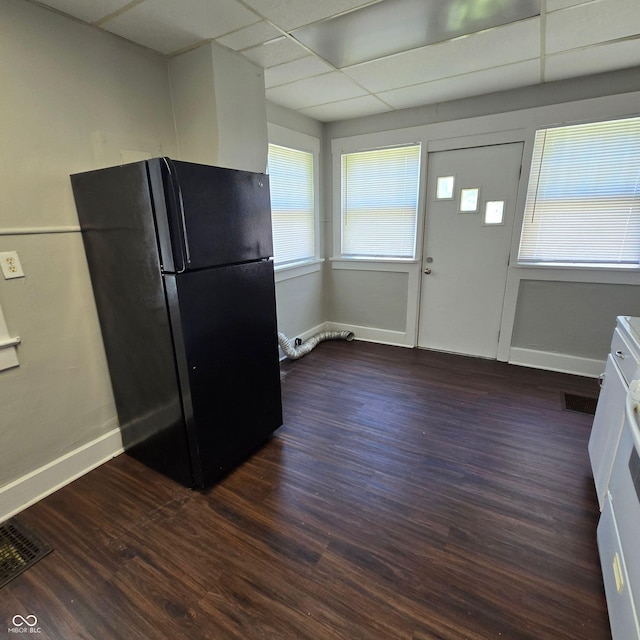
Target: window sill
{"points": [[297, 269], [578, 266]]}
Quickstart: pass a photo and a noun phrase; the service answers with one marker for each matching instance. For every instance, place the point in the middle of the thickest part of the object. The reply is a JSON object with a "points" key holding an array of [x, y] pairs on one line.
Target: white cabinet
{"points": [[622, 365]]}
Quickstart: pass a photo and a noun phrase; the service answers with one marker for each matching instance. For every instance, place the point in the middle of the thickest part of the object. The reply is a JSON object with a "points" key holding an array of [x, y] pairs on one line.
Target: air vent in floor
{"points": [[582, 404], [19, 549]]}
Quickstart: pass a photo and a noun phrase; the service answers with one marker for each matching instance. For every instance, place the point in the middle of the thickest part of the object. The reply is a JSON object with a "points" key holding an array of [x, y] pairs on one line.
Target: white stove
{"points": [[619, 526]]}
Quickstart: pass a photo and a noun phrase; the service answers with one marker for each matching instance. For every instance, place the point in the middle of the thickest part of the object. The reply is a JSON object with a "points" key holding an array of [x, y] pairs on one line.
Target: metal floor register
{"points": [[19, 549]]}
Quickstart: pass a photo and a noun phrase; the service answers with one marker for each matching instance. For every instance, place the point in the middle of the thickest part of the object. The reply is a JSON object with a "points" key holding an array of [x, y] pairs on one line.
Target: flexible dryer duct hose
{"points": [[293, 353]]}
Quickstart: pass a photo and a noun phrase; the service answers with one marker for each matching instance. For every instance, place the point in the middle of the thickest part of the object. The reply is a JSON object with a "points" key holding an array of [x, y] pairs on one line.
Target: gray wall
{"points": [[576, 317], [360, 299]]}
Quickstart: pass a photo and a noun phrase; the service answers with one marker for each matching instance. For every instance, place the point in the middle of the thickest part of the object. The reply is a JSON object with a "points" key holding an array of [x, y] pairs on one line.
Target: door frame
{"points": [[509, 296]]}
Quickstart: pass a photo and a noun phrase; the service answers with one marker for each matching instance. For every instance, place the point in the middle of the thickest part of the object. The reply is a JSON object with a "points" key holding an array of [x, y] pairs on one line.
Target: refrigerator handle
{"points": [[179, 209]]}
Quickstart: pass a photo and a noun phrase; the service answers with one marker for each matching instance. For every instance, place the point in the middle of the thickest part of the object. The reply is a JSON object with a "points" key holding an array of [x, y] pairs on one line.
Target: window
{"points": [[583, 200], [291, 178], [379, 208]]}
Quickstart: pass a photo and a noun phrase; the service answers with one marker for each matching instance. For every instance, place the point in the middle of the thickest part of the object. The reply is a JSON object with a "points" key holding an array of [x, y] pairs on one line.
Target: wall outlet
{"points": [[10, 265]]}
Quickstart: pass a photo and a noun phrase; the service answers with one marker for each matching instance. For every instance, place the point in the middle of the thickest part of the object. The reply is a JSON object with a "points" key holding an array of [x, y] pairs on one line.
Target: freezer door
{"points": [[226, 338], [216, 216]]}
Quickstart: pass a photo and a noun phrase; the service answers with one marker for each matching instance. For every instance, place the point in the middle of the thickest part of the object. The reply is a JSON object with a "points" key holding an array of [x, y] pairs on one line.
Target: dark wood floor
{"points": [[410, 495]]}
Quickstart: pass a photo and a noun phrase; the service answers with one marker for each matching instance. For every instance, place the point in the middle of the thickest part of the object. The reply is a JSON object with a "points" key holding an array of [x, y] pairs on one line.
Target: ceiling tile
{"points": [[250, 36], [596, 59], [555, 5], [290, 14], [275, 52], [345, 109], [295, 70], [87, 10], [167, 26], [588, 24], [510, 76], [310, 92], [492, 48]]}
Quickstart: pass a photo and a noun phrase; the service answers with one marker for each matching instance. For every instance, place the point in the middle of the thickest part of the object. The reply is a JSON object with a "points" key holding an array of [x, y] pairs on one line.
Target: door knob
{"points": [[428, 271]]}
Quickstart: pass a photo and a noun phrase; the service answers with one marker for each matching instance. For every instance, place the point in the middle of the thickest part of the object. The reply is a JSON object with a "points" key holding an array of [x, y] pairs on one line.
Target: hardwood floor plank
{"points": [[410, 495]]}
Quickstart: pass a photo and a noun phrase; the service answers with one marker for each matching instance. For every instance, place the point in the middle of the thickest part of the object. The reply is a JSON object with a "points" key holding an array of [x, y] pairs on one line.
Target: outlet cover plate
{"points": [[10, 264]]}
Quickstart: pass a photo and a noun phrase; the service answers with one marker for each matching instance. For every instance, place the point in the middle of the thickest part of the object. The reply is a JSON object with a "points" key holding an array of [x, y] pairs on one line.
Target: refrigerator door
{"points": [[215, 216], [115, 212], [224, 325]]}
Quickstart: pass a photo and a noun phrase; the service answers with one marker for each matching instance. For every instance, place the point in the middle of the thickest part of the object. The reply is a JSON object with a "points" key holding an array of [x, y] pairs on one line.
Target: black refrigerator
{"points": [[180, 261]]}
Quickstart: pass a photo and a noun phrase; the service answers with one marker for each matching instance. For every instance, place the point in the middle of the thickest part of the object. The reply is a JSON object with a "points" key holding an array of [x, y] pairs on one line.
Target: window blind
{"points": [[292, 204], [583, 201], [380, 202]]}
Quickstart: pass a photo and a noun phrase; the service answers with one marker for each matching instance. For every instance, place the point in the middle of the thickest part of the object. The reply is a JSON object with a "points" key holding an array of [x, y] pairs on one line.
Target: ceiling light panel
{"points": [[393, 26], [290, 14], [87, 10], [168, 26], [493, 48]]}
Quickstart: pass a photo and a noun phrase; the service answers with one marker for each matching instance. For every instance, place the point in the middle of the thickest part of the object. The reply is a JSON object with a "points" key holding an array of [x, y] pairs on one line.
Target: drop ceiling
{"points": [[339, 59]]}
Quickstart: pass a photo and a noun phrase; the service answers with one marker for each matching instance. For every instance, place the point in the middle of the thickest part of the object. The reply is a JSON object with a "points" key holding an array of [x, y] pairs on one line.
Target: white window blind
{"points": [[292, 204], [380, 202], [583, 205]]}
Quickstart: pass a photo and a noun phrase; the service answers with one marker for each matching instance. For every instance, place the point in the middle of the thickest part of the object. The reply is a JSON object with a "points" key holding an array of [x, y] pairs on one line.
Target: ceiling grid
{"points": [[340, 59]]}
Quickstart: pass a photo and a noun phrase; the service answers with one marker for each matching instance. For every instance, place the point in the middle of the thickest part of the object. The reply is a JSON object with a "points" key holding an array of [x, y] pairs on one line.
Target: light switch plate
{"points": [[10, 264]]}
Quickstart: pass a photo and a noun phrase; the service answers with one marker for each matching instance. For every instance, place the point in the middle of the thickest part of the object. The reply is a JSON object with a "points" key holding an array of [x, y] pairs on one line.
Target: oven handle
{"points": [[632, 405]]}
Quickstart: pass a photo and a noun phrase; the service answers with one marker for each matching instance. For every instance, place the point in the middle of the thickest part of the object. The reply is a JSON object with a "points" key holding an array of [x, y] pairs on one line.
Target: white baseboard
{"points": [[370, 334], [556, 362], [32, 487]]}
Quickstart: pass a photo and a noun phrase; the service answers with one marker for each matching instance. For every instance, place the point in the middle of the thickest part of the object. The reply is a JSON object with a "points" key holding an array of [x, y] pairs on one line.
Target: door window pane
{"points": [[444, 188], [494, 212], [469, 200]]}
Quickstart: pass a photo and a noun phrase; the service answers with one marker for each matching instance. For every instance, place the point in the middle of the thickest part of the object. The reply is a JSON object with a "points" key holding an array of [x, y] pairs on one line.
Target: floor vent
{"points": [[19, 549], [582, 404]]}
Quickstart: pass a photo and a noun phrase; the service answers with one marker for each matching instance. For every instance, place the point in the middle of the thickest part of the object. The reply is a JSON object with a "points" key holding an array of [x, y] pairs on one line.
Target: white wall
{"points": [[220, 108], [72, 99]]}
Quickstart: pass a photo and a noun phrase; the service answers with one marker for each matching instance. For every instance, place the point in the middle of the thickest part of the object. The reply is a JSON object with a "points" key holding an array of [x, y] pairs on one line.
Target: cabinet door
{"points": [[622, 614], [607, 427], [624, 488]]}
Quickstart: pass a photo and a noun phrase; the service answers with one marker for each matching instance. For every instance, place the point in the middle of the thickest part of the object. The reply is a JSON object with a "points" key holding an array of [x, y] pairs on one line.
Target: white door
{"points": [[471, 199]]}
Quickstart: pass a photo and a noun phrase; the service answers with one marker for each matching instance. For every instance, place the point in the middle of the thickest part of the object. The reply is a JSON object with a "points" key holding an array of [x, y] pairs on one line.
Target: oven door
{"points": [[624, 488]]}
